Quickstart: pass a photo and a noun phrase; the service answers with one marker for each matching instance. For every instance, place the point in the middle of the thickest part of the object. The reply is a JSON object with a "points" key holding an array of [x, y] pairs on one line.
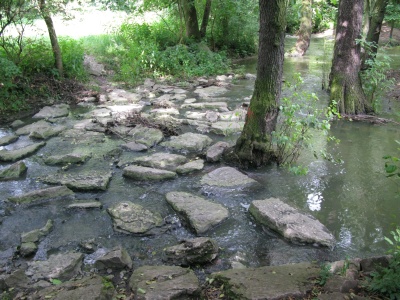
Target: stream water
{"points": [[354, 199]]}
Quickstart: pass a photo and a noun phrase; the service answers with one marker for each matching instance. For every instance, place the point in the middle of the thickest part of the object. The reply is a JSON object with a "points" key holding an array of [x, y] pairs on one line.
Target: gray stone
{"points": [[40, 129], [194, 251], [194, 115], [165, 161], [215, 152], [16, 279], [236, 115], [164, 283], [92, 66], [35, 235], [200, 213], [78, 136], [146, 136], [146, 173], [227, 128], [27, 249], [121, 96], [123, 111], [16, 124], [8, 139], [71, 158], [290, 223], [85, 205], [129, 217], [227, 177], [204, 105], [272, 282], [43, 194], [87, 288], [44, 134], [372, 263], [164, 111], [250, 76], [212, 116], [190, 100], [13, 172], [210, 91], [116, 259], [195, 165], [55, 111], [14, 155], [61, 266], [188, 142], [135, 147], [81, 181]]}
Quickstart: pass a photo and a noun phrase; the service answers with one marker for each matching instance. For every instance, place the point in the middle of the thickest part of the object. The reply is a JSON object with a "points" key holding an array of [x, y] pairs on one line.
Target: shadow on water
{"points": [[353, 199]]}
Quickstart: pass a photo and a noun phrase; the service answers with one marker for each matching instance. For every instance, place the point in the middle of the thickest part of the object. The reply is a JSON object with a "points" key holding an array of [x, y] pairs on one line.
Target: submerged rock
{"points": [[71, 158], [289, 222], [164, 161], [85, 205], [13, 172], [55, 111], [272, 282], [35, 235], [188, 141], [129, 217], [28, 249], [145, 173], [194, 251], [164, 283], [61, 266], [8, 139], [14, 155], [43, 194], [200, 213], [81, 181], [227, 177], [116, 259]]}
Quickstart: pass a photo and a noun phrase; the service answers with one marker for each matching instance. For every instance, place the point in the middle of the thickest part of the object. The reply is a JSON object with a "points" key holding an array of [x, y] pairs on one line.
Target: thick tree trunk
{"points": [[254, 146], [375, 24], [206, 17], [53, 37], [191, 22], [303, 41], [344, 82]]}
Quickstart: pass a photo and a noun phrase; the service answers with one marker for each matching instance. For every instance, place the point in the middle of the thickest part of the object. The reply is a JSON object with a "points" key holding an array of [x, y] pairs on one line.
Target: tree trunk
{"points": [[254, 146], [303, 41], [191, 22], [53, 37], [206, 17], [344, 82], [375, 23]]}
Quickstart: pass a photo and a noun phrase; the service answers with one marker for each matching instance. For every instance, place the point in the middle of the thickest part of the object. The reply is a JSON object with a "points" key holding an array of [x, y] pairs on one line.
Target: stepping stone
{"points": [[227, 128], [215, 152], [14, 155], [164, 282], [188, 142], [55, 111], [43, 194], [146, 136], [205, 105], [8, 139], [13, 172], [145, 173], [85, 205], [165, 161], [116, 259], [40, 130], [72, 158], [78, 136], [227, 177], [290, 222], [201, 214], [210, 91], [81, 181], [129, 217], [195, 165], [135, 147]]}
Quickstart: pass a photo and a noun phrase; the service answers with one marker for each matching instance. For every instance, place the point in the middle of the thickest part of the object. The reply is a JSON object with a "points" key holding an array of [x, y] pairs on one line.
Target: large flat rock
{"points": [[43, 194], [146, 136], [166, 161], [70, 158], [201, 214], [8, 139], [290, 222], [81, 181], [164, 283], [188, 142], [14, 155], [227, 177], [210, 91], [129, 217], [145, 173], [55, 111], [41, 130], [269, 283], [227, 127]]}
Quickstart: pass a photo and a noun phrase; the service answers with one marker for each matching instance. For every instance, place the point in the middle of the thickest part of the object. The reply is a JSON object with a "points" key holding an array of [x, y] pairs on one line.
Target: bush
{"points": [[73, 54]]}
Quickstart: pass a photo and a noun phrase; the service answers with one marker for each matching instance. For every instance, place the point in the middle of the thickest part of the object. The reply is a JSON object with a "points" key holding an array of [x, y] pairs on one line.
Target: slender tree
{"points": [[206, 17], [344, 81], [191, 21], [254, 145], [304, 34]]}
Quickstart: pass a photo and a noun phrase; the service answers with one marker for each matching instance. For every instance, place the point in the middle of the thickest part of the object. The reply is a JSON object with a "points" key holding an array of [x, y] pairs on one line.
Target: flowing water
{"points": [[354, 199]]}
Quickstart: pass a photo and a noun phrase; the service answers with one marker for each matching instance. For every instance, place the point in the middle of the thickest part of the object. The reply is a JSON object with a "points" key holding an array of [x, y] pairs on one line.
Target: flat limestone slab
{"points": [[145, 173], [200, 213], [164, 282], [42, 194], [71, 158], [165, 161], [227, 127], [40, 130], [146, 136], [227, 177], [13, 172], [8, 139], [273, 282], [291, 223], [55, 111], [81, 181], [85, 205], [14, 155], [188, 141]]}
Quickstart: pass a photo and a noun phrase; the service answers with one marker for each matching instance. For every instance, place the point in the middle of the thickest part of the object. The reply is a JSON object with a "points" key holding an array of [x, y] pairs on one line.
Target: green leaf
{"points": [[55, 281], [141, 291], [390, 168]]}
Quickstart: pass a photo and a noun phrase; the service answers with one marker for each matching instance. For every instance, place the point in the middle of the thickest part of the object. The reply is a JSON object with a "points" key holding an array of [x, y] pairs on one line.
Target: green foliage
{"points": [[392, 165], [73, 54], [374, 78], [55, 281], [386, 281], [324, 274], [299, 118]]}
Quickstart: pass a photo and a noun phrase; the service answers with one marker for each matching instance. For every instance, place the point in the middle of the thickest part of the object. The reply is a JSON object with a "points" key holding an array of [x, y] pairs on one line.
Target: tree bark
{"points": [[344, 81], [53, 37], [254, 146], [206, 17], [304, 35], [375, 24], [191, 21]]}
